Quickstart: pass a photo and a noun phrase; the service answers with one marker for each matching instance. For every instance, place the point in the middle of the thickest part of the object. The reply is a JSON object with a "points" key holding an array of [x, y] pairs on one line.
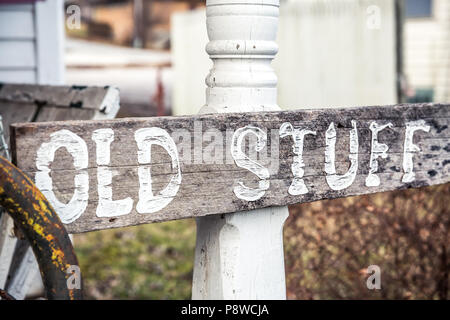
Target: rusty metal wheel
{"points": [[40, 225]]}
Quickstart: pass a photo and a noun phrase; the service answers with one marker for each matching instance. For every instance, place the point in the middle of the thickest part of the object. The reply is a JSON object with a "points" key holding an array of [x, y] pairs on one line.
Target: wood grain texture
{"points": [[27, 103], [104, 100], [207, 188], [15, 112]]}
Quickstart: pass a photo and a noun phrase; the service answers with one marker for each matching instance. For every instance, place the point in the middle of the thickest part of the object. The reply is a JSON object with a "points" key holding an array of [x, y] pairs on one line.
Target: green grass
{"points": [[145, 262]]}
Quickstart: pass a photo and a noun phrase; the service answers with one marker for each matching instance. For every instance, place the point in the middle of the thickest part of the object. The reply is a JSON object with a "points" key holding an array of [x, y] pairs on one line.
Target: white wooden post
{"points": [[240, 255]]}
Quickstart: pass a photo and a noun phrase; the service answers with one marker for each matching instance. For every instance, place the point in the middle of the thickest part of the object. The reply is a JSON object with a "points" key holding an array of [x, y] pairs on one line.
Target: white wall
{"points": [[17, 50], [442, 86], [32, 51], [32, 42], [420, 40], [336, 53], [327, 55]]}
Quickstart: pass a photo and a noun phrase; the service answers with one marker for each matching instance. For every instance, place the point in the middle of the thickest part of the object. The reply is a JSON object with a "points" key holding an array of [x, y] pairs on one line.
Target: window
{"points": [[418, 8]]}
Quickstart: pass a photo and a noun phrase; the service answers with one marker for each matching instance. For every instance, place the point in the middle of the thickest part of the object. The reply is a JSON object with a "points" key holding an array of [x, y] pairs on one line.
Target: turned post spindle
{"points": [[240, 255]]}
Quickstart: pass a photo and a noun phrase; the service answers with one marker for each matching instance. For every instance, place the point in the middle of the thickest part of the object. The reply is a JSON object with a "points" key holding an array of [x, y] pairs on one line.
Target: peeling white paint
{"points": [[409, 148], [145, 138], [240, 255], [376, 150], [45, 155], [340, 182], [106, 206], [297, 186], [242, 161]]}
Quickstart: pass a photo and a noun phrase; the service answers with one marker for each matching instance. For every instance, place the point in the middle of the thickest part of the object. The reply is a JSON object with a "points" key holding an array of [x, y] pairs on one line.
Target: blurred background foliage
{"points": [[329, 244], [328, 247]]}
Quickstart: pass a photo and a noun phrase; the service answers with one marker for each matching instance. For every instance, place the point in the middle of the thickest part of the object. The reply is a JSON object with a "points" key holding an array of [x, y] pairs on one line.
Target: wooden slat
{"points": [[17, 54], [7, 245], [105, 99], [24, 103], [7, 238], [16, 25], [61, 114], [208, 188], [23, 270], [15, 112]]}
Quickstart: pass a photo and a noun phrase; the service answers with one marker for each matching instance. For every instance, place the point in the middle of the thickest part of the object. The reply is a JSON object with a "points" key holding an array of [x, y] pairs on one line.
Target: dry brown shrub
{"points": [[329, 244]]}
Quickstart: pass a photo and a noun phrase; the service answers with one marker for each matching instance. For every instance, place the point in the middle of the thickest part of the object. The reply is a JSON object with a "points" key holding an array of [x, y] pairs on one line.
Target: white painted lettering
{"points": [[376, 150], [297, 186], [145, 138], [340, 182], [242, 161], [45, 155], [409, 148], [106, 206]]}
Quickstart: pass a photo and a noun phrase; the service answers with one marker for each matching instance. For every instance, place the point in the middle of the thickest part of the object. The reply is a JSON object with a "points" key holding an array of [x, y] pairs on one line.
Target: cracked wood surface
{"points": [[207, 188], [27, 103]]}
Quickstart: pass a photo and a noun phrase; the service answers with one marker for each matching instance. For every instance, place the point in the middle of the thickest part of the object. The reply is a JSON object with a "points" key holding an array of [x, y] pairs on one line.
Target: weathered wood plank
{"points": [[206, 184], [22, 271], [102, 99], [7, 245], [60, 114], [25, 103], [15, 112], [7, 237]]}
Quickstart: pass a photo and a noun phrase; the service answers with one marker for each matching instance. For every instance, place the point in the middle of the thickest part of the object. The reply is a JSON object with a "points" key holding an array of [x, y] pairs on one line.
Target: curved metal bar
{"points": [[43, 229]]}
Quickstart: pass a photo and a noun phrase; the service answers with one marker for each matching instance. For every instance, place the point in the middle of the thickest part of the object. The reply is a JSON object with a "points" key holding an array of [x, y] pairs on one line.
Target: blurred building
{"points": [[337, 53], [331, 53], [100, 51], [32, 51], [139, 23], [32, 42], [427, 50], [143, 76]]}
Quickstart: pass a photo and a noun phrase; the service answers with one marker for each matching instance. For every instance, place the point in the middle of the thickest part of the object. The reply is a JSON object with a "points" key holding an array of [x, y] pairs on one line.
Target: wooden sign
{"points": [[115, 173], [30, 102], [26, 103]]}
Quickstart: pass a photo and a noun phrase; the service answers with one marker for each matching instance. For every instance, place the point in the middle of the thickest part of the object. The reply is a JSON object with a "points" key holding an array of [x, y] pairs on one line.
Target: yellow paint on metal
{"points": [[39, 220]]}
